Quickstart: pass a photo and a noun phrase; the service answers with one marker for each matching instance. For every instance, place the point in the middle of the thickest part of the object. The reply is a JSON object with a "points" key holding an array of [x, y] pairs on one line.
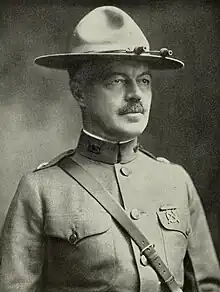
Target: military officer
{"points": [[56, 236]]}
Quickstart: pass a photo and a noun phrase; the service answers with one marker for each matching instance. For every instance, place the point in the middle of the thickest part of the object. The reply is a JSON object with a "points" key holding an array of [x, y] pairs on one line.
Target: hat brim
{"points": [[68, 60]]}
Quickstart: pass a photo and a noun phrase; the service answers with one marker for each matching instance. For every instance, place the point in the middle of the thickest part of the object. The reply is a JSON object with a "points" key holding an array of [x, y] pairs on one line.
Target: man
{"points": [[56, 236]]}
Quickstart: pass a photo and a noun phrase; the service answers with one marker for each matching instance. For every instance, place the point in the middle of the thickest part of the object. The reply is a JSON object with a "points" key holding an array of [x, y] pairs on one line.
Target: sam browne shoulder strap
{"points": [[104, 198]]}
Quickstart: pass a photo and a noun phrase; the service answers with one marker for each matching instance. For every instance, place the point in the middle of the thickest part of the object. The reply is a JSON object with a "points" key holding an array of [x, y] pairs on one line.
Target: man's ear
{"points": [[77, 92]]}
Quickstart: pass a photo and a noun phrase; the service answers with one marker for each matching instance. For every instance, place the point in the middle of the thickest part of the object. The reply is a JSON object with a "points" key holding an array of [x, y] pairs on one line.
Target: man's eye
{"points": [[117, 81], [144, 81]]}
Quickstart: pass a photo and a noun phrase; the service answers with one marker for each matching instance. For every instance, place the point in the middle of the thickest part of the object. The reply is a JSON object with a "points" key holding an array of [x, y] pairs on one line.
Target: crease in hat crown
{"points": [[107, 32], [104, 29]]}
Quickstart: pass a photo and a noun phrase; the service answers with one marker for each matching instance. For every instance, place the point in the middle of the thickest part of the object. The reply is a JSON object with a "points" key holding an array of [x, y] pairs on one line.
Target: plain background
{"points": [[39, 118]]}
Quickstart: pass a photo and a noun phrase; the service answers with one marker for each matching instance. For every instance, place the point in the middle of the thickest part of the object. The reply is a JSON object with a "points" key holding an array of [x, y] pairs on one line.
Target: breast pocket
{"points": [[81, 247], [76, 228], [174, 227]]}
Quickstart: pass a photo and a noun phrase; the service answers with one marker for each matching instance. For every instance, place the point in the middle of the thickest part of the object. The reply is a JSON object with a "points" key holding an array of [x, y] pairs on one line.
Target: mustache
{"points": [[132, 108]]}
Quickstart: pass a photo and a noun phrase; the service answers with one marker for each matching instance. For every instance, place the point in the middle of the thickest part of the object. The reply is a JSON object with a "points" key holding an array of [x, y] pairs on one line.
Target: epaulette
{"points": [[159, 159], [55, 160], [147, 152], [163, 160]]}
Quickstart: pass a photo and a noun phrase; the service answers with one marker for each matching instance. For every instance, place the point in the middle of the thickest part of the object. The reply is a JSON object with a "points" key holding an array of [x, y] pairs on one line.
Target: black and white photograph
{"points": [[109, 146]]}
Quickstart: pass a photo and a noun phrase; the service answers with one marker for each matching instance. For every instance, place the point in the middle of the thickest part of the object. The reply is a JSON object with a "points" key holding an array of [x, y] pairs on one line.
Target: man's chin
{"points": [[131, 131]]}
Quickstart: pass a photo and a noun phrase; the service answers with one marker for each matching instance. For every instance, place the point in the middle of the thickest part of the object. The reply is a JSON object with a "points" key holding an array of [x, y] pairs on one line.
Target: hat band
{"points": [[108, 48], [112, 49]]}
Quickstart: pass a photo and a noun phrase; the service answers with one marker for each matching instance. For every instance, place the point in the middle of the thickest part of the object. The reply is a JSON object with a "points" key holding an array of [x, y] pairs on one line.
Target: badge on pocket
{"points": [[170, 219]]}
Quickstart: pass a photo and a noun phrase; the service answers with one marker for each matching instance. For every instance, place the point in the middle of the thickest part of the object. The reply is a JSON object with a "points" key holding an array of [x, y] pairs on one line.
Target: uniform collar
{"points": [[105, 151]]}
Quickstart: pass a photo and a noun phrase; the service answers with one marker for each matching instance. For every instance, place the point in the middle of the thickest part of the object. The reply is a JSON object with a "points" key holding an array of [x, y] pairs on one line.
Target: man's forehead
{"points": [[101, 68], [128, 67]]}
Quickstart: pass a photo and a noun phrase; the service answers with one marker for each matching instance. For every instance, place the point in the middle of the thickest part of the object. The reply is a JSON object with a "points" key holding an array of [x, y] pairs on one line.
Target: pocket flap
{"points": [[170, 219], [64, 226]]}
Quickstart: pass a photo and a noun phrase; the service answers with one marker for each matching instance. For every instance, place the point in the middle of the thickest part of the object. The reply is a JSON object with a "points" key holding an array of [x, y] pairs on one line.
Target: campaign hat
{"points": [[107, 32]]}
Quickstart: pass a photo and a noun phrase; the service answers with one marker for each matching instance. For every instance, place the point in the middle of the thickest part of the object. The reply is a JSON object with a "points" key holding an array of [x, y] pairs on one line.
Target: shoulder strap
{"points": [[55, 160], [141, 148], [159, 159], [104, 198]]}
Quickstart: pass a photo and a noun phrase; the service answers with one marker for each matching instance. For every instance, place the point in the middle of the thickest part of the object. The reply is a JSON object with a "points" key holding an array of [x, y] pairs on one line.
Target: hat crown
{"points": [[106, 28]]}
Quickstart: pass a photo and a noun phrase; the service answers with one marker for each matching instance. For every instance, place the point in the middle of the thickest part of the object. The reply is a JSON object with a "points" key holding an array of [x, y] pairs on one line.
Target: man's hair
{"points": [[84, 72]]}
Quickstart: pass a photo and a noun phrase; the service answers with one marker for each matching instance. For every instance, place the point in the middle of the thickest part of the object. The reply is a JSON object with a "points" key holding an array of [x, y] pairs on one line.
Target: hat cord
{"points": [[164, 52]]}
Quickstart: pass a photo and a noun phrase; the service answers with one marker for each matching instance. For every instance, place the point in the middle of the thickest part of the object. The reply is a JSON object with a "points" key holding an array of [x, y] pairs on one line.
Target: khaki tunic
{"points": [[56, 237]]}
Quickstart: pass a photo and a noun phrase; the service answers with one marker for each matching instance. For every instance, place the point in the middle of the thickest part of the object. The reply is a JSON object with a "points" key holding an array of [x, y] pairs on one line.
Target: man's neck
{"points": [[104, 139]]}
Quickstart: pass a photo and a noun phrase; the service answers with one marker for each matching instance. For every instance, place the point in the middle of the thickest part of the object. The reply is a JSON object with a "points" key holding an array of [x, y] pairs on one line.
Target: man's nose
{"points": [[133, 91]]}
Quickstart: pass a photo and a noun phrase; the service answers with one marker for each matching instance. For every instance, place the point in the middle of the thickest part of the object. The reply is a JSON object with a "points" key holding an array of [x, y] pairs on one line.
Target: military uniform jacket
{"points": [[57, 238]]}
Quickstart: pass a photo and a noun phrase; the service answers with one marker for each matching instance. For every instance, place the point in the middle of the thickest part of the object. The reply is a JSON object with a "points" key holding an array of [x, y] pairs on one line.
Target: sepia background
{"points": [[39, 118]]}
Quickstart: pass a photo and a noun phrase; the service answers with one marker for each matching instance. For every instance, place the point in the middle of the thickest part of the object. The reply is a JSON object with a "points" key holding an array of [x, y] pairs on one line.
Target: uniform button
{"points": [[73, 237], [135, 214], [125, 171], [143, 260], [69, 152]]}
